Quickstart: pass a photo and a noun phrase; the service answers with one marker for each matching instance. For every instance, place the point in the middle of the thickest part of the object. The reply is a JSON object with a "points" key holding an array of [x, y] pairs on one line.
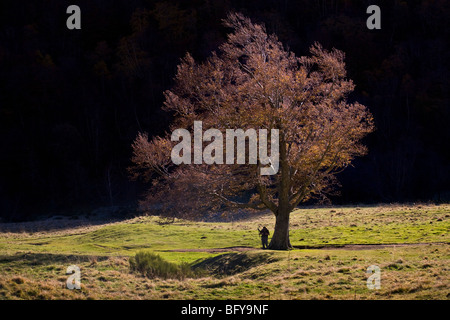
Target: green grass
{"points": [[129, 237], [33, 264]]}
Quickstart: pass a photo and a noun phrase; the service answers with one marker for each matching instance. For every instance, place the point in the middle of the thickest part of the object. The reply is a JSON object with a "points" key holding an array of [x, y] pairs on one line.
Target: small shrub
{"points": [[18, 280], [344, 270], [152, 265], [400, 290], [394, 266]]}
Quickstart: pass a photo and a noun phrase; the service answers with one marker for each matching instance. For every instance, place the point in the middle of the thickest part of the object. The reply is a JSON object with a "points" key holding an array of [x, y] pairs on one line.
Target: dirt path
{"points": [[368, 246], [214, 250], [320, 247]]}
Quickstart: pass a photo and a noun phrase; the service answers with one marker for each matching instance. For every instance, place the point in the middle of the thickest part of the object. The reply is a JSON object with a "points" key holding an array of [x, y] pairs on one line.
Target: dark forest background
{"points": [[72, 101]]}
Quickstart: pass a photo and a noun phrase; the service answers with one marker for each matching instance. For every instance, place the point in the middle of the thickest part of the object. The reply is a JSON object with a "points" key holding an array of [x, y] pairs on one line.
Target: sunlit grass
{"points": [[33, 265]]}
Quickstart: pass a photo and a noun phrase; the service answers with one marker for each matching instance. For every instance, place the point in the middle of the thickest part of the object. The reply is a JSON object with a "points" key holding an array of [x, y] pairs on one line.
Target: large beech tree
{"points": [[254, 82]]}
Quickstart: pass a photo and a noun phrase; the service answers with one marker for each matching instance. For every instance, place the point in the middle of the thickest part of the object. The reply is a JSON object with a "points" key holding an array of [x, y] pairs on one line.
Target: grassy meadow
{"points": [[333, 249]]}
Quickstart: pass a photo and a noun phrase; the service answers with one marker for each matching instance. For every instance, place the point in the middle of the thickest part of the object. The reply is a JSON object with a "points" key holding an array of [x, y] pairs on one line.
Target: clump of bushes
{"points": [[152, 265]]}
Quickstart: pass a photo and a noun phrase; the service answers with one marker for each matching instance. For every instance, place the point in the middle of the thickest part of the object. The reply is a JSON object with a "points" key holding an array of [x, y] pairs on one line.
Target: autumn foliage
{"points": [[254, 82]]}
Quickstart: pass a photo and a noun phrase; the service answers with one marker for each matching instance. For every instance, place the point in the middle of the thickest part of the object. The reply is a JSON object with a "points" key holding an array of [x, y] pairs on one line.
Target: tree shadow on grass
{"points": [[39, 259], [57, 224], [232, 263]]}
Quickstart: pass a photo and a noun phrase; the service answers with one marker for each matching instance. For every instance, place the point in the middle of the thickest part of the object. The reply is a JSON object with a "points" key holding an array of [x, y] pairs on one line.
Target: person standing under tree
{"points": [[264, 233]]}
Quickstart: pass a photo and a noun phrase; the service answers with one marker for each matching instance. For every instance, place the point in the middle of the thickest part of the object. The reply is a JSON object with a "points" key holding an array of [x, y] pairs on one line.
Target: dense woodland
{"points": [[72, 101]]}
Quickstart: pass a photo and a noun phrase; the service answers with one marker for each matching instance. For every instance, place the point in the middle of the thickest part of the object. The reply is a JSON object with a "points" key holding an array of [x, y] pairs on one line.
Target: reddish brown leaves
{"points": [[253, 82]]}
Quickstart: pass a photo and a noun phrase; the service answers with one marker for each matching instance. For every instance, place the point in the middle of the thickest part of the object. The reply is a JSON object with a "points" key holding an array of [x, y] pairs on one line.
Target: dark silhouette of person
{"points": [[264, 233]]}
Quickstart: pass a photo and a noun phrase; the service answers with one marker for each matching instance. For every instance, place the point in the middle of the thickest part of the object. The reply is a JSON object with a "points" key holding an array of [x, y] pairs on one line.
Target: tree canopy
{"points": [[253, 82]]}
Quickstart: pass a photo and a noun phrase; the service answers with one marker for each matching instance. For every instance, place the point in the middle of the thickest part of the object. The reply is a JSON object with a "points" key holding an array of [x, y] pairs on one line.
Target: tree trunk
{"points": [[280, 238]]}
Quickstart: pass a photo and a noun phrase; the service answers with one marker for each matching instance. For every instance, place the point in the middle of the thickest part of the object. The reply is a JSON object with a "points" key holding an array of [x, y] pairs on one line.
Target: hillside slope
{"points": [[334, 248]]}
